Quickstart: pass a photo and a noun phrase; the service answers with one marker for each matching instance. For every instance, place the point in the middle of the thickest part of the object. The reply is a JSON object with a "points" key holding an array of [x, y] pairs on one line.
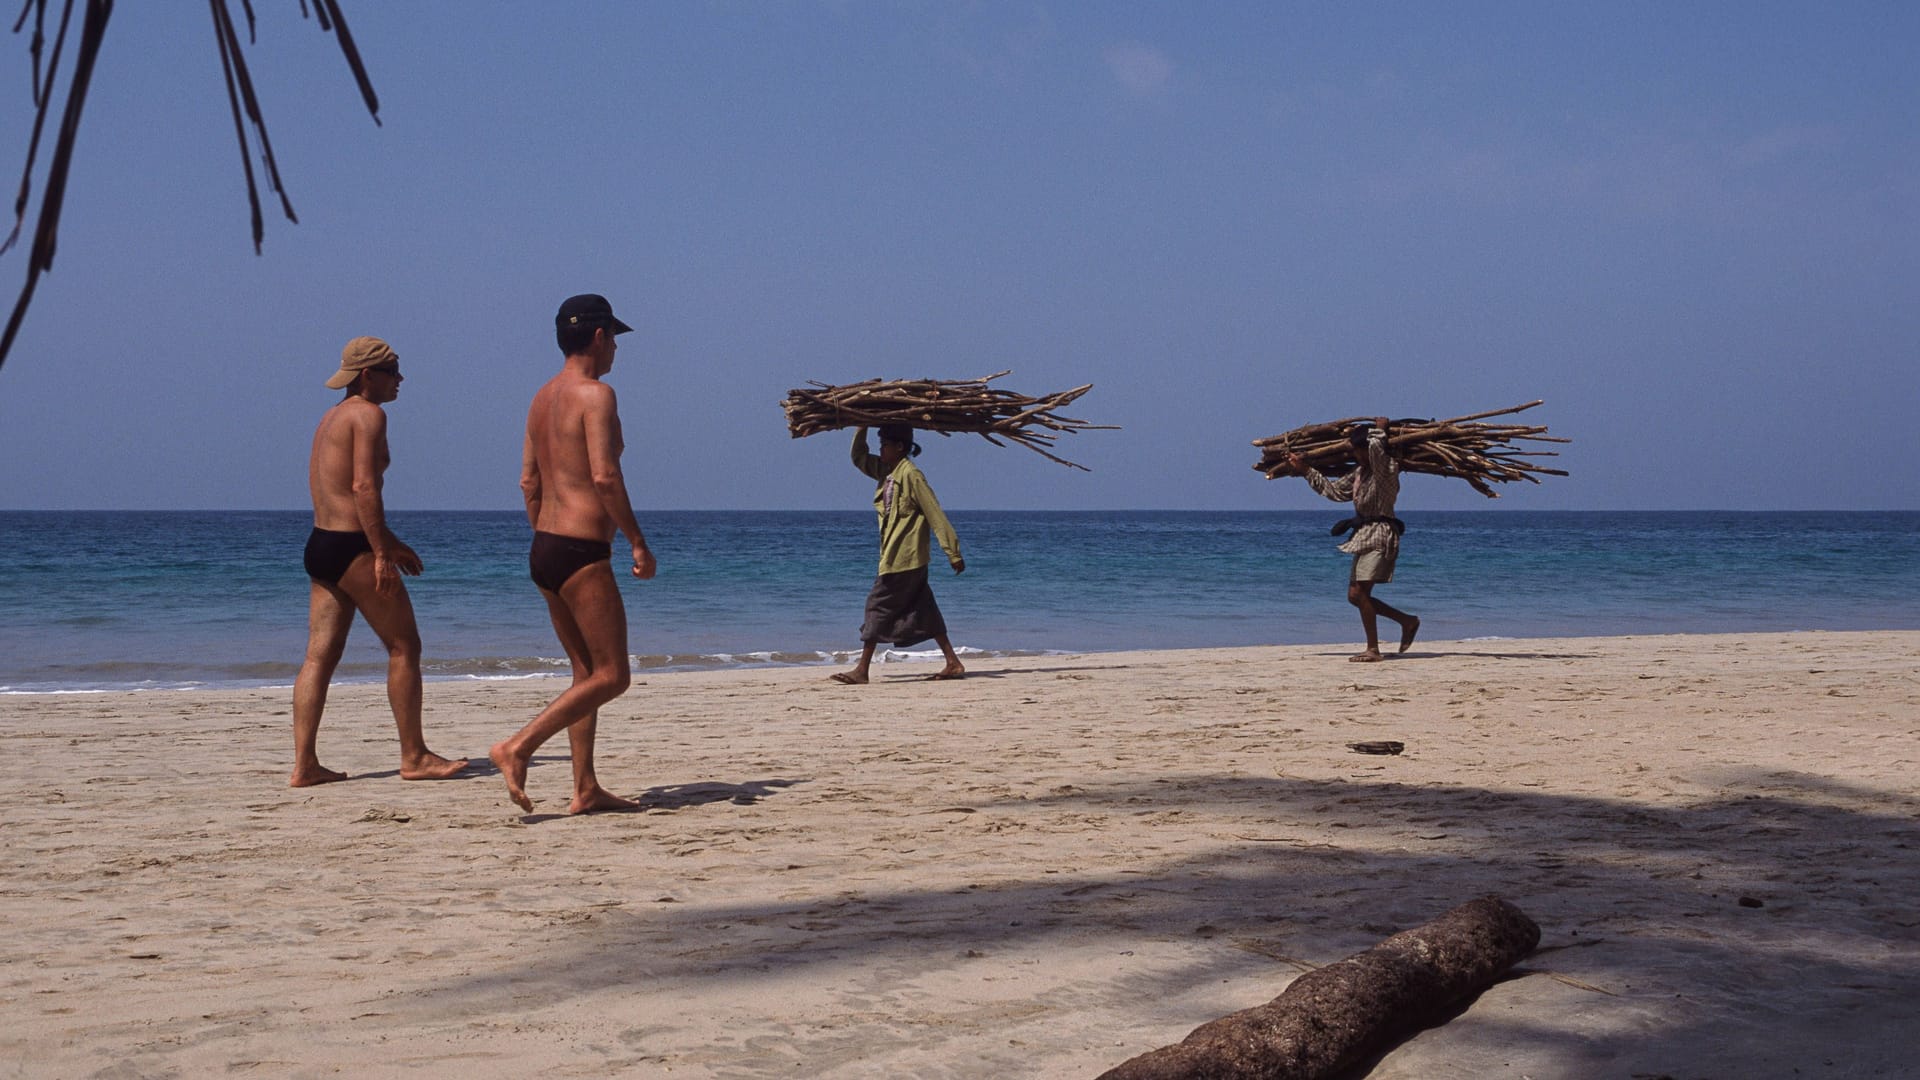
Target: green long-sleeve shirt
{"points": [[908, 512]]}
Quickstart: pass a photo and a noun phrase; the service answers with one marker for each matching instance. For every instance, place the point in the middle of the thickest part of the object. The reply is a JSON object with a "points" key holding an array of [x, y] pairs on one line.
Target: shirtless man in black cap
{"points": [[576, 498], [354, 563]]}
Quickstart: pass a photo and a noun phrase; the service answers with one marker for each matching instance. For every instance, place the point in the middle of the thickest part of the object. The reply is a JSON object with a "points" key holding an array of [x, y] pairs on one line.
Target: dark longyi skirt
{"points": [[901, 610]]}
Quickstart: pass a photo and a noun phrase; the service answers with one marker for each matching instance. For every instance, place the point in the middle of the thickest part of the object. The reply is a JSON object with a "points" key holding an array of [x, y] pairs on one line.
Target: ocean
{"points": [[157, 600]]}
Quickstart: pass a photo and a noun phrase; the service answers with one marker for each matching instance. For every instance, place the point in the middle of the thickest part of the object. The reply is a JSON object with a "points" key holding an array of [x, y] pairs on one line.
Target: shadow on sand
{"points": [[1651, 896]]}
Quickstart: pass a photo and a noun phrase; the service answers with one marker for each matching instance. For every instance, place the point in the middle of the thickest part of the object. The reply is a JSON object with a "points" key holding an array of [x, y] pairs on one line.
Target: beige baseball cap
{"points": [[360, 354]]}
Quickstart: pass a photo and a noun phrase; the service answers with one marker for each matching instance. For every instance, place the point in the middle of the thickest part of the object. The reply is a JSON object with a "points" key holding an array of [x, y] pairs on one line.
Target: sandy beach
{"points": [[1041, 871]]}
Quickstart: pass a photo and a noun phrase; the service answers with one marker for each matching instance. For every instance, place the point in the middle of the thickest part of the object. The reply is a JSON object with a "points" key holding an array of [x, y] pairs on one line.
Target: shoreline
{"points": [[377, 677], [136, 611], [1042, 870]]}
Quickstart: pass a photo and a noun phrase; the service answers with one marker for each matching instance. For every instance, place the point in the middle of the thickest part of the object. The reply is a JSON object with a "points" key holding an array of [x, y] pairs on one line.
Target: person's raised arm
{"points": [[1379, 458], [863, 460], [604, 444], [391, 558], [1340, 490]]}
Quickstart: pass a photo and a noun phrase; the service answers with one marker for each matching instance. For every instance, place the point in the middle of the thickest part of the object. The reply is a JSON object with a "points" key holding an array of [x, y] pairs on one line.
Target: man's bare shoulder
{"points": [[582, 395], [569, 382], [350, 417], [591, 389], [364, 415]]}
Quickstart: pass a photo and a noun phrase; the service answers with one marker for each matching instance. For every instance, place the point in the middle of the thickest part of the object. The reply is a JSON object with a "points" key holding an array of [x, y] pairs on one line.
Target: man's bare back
{"points": [[572, 416], [355, 423]]}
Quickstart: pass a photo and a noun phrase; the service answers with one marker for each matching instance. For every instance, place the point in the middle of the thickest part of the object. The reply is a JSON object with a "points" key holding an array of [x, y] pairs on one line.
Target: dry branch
{"points": [[1334, 1017], [947, 406], [1462, 447]]}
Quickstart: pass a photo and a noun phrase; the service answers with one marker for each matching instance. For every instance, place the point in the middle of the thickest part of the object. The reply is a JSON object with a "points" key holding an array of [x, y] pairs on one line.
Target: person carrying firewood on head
{"points": [[900, 608], [1372, 488]]}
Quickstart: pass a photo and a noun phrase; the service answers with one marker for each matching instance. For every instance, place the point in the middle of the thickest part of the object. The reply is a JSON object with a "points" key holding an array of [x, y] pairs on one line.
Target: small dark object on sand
{"points": [[1384, 746]]}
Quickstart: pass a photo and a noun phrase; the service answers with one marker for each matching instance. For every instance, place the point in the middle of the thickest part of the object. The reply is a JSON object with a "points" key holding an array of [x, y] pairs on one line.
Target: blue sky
{"points": [[1694, 229]]}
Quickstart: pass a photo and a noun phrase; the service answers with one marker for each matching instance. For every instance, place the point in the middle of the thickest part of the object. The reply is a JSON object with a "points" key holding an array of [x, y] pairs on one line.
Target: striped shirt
{"points": [[1372, 495]]}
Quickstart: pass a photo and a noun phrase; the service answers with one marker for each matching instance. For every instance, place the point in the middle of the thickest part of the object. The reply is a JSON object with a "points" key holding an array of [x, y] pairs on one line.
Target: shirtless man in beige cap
{"points": [[576, 498], [354, 563]]}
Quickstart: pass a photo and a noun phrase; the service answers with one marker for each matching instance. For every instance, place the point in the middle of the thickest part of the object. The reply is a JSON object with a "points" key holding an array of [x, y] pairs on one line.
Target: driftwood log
{"points": [[1479, 453], [947, 406], [1334, 1017]]}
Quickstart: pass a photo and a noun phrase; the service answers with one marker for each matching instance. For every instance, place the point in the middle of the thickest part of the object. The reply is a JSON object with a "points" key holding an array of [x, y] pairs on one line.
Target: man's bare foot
{"points": [[432, 766], [515, 772], [599, 799], [851, 678], [314, 775], [1407, 632], [1368, 657], [951, 671]]}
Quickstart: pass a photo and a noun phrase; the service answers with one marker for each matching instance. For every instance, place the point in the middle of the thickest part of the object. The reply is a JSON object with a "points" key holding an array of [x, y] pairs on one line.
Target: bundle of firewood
{"points": [[948, 406], [1479, 453]]}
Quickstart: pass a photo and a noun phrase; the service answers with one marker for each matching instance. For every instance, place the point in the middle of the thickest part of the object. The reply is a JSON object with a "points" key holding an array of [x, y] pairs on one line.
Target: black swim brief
{"points": [[556, 558], [330, 552]]}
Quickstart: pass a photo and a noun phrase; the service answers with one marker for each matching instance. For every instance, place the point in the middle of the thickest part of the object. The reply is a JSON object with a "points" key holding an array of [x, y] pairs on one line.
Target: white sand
{"points": [[1041, 871]]}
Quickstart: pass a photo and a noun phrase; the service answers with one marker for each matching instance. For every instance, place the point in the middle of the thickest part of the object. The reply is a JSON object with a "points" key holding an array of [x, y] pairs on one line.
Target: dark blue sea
{"points": [[108, 600]]}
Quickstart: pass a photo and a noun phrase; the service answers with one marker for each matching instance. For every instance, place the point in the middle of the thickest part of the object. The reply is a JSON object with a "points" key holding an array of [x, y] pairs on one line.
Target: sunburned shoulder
{"points": [[587, 390], [573, 394], [360, 412]]}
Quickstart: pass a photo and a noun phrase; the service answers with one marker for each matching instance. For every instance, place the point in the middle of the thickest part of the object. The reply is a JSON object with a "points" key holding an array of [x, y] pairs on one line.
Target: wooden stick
{"points": [[1495, 412], [959, 406], [1462, 447]]}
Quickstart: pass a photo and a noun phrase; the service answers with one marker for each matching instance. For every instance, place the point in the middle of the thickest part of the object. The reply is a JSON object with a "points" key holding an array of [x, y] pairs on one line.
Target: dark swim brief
{"points": [[330, 552], [556, 558]]}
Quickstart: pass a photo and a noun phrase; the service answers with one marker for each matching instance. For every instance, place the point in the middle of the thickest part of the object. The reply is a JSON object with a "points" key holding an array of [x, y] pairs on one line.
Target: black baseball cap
{"points": [[588, 309]]}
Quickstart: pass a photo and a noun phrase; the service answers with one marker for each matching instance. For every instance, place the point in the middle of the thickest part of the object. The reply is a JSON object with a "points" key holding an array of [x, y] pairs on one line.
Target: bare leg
{"points": [[858, 676], [1409, 624], [589, 617], [588, 795], [953, 670], [329, 617], [391, 617], [1360, 594], [514, 771]]}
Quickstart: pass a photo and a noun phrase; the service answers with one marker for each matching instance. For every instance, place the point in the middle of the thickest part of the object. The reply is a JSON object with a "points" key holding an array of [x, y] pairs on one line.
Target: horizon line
{"points": [[976, 510]]}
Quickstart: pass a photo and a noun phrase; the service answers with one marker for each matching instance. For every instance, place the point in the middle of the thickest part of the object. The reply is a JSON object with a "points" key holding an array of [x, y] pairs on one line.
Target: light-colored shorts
{"points": [[1374, 566]]}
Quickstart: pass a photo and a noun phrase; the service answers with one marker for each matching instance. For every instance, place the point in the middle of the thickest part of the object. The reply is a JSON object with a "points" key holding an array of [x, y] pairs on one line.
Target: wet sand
{"points": [[1040, 871]]}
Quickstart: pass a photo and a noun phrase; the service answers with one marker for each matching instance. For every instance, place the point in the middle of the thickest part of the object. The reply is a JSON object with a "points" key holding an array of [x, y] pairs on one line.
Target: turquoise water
{"points": [[101, 600]]}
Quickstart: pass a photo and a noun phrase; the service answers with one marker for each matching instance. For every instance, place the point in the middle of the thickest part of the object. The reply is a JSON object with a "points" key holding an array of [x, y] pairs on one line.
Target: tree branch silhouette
{"points": [[241, 98]]}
